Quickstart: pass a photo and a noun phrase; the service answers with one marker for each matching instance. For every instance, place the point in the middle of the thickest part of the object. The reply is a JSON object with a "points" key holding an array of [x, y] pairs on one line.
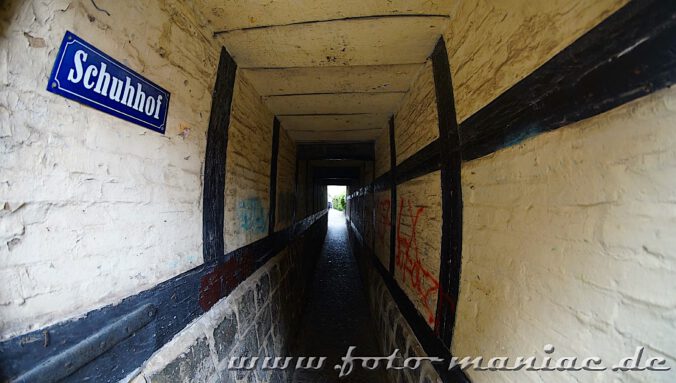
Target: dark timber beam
{"points": [[321, 114], [107, 344], [336, 181], [295, 194], [451, 196], [213, 198], [393, 195], [348, 172], [630, 54], [273, 176], [363, 151], [334, 93], [308, 186]]}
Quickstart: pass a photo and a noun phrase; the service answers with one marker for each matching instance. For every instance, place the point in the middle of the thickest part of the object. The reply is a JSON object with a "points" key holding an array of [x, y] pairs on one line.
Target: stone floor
{"points": [[336, 315]]}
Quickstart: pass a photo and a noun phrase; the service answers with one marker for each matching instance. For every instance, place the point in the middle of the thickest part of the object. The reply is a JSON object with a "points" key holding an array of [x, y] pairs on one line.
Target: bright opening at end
{"points": [[336, 197]]}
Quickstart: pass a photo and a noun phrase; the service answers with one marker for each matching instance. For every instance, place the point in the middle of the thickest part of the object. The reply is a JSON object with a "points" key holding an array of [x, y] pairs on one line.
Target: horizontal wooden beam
{"points": [[630, 54], [169, 307], [339, 151], [348, 172], [336, 181]]}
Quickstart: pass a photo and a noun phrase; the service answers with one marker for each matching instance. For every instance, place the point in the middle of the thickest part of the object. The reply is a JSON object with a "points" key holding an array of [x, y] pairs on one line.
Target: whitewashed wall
{"points": [[247, 167], [569, 240], [567, 237], [93, 208]]}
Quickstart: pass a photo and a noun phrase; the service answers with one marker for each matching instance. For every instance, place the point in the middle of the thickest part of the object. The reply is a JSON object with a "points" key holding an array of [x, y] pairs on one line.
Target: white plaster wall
{"points": [[569, 239], [93, 208], [492, 45], [247, 167]]}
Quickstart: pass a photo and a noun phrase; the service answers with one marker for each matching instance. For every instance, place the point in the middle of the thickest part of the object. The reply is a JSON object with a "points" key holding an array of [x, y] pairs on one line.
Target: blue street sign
{"points": [[85, 74]]}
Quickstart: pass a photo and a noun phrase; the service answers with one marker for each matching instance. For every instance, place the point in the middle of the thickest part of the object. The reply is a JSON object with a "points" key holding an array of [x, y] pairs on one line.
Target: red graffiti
{"points": [[224, 278], [408, 260]]}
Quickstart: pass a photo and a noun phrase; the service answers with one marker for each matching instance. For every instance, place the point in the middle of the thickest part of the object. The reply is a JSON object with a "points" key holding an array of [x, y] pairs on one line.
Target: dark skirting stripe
{"points": [[428, 339], [170, 306], [630, 54]]}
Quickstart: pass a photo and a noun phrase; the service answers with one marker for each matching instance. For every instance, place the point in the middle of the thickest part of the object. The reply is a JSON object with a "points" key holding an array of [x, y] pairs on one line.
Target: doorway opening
{"points": [[336, 197]]}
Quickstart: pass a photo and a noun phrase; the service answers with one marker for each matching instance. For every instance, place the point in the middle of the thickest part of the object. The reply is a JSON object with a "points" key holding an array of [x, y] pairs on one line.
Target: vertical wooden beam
{"points": [[373, 205], [393, 196], [315, 195], [295, 194], [451, 196], [308, 208], [273, 176], [213, 197], [313, 198]]}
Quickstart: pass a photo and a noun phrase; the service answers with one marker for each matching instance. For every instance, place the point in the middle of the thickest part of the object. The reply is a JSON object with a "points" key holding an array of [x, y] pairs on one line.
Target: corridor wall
{"points": [[565, 190], [101, 221], [563, 233], [95, 208]]}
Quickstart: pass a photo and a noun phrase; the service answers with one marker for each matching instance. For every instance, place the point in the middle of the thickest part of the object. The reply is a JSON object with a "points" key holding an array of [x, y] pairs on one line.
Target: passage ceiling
{"points": [[330, 70]]}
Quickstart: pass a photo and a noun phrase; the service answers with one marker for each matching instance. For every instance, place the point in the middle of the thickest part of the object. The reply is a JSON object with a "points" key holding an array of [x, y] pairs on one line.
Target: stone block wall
{"points": [[393, 330], [258, 318]]}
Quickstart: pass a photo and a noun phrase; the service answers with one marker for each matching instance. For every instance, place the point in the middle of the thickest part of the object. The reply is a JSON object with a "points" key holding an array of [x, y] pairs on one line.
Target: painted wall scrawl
{"points": [[253, 217], [417, 246], [247, 168]]}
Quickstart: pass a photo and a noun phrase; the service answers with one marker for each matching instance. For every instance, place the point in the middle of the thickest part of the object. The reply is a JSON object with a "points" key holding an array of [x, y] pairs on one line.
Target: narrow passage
{"points": [[336, 315]]}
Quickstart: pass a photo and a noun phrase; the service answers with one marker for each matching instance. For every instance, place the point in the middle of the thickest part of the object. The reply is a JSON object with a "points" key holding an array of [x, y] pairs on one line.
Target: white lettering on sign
{"points": [[112, 87]]}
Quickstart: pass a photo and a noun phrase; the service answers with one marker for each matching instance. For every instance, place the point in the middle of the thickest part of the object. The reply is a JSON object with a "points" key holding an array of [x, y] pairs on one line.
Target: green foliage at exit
{"points": [[339, 202]]}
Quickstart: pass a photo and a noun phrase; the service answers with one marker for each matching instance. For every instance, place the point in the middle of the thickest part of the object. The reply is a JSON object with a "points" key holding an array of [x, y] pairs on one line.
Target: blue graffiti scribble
{"points": [[517, 137], [252, 216]]}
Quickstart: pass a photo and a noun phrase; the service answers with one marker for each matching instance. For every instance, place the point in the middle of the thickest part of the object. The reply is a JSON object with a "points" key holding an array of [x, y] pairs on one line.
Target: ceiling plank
{"points": [[353, 42], [376, 103], [322, 21], [335, 136], [237, 14], [336, 172], [334, 122], [374, 78], [351, 153]]}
